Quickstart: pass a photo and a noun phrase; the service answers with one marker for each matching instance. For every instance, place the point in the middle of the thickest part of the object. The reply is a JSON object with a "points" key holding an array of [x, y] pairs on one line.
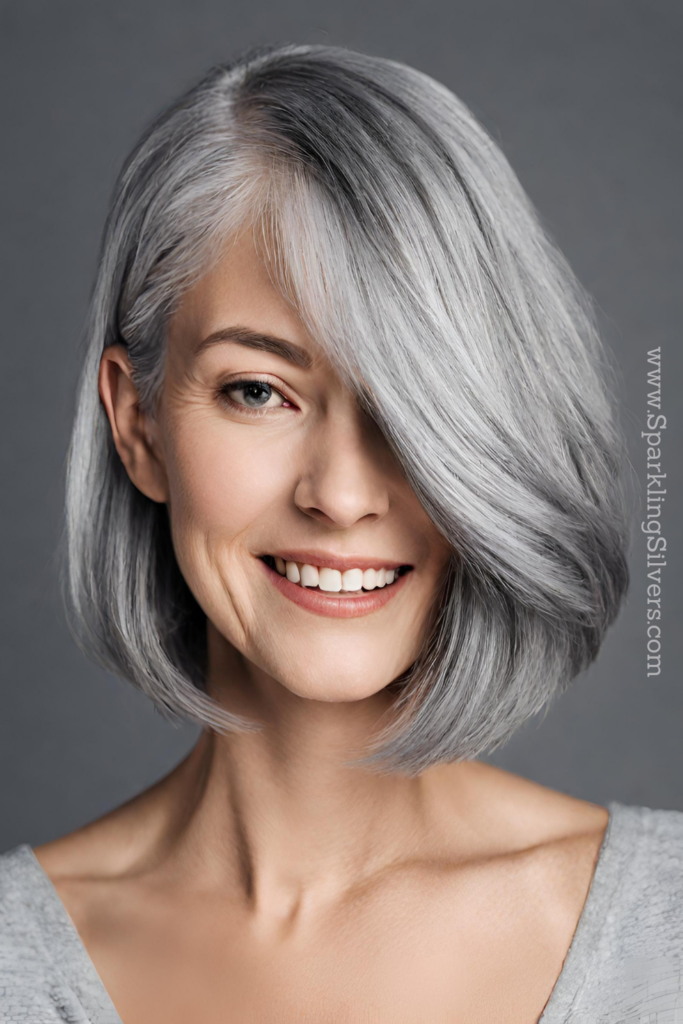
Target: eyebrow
{"points": [[258, 340]]}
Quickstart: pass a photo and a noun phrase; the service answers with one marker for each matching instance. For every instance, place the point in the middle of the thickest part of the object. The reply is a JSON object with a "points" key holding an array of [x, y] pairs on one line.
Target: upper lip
{"points": [[328, 561]]}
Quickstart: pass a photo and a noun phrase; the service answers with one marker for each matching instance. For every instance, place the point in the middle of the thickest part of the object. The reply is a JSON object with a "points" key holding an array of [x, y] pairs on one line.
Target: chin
{"points": [[337, 691], [334, 669], [334, 687]]}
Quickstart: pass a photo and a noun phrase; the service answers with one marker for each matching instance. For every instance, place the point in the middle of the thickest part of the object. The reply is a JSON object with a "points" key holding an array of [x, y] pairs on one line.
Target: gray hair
{"points": [[430, 283]]}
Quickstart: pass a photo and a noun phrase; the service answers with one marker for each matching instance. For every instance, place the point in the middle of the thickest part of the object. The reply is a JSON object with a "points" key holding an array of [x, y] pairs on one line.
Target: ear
{"points": [[135, 433]]}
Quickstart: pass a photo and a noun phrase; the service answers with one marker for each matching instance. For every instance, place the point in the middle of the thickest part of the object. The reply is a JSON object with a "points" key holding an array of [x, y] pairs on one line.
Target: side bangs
{"points": [[465, 336]]}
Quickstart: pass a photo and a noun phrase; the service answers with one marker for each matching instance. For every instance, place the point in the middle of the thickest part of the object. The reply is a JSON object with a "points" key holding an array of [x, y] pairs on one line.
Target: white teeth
{"points": [[293, 574], [332, 580], [309, 576], [352, 579], [329, 579], [370, 579]]}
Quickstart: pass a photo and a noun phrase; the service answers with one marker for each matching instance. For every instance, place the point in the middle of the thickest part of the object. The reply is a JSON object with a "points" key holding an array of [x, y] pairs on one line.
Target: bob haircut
{"points": [[396, 227]]}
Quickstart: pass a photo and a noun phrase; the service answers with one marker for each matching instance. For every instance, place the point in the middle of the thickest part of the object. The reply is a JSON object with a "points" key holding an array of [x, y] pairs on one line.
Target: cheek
{"points": [[224, 483], [222, 480]]}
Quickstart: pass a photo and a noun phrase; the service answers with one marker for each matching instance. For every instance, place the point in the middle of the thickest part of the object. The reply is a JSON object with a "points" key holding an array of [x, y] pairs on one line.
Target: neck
{"points": [[277, 817]]}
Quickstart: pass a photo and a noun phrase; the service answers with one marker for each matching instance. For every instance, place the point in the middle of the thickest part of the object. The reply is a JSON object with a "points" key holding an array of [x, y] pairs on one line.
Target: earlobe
{"points": [[130, 426]]}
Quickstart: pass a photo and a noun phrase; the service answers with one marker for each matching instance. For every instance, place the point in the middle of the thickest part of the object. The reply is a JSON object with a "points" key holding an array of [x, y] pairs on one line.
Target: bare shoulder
{"points": [[104, 848], [539, 837], [519, 812], [521, 848], [490, 815]]}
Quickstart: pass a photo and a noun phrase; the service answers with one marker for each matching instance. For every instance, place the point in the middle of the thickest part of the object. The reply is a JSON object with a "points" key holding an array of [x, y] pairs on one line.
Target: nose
{"points": [[346, 473]]}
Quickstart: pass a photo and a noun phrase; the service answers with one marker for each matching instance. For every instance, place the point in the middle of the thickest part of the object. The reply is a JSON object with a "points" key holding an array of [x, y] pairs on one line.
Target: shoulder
{"points": [[20, 897], [28, 988], [638, 890], [653, 841], [626, 962], [17, 884], [647, 860]]}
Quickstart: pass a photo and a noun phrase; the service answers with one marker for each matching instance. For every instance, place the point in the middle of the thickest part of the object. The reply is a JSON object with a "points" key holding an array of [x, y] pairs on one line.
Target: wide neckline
{"points": [[82, 976]]}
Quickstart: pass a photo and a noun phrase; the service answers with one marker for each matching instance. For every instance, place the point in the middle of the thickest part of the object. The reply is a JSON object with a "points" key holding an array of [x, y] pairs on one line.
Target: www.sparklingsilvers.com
{"points": [[655, 496]]}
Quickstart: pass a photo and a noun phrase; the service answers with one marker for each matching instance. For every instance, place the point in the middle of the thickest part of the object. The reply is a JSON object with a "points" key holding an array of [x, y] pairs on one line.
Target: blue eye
{"points": [[253, 394]]}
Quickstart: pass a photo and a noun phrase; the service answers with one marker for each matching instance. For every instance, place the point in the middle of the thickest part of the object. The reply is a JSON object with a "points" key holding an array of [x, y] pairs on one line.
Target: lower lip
{"points": [[320, 603]]}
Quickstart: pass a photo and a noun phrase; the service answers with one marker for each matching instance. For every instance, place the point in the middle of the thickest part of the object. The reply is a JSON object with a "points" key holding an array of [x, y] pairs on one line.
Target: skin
{"points": [[262, 879]]}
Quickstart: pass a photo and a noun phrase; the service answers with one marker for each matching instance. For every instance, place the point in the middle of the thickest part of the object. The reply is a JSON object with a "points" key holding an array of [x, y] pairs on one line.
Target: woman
{"points": [[346, 489]]}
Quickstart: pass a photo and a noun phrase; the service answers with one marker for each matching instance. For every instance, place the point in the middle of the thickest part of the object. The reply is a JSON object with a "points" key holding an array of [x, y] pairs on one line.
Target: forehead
{"points": [[237, 291]]}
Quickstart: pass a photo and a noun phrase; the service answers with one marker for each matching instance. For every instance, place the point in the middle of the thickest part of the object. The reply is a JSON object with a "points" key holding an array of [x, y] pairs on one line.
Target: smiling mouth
{"points": [[333, 582]]}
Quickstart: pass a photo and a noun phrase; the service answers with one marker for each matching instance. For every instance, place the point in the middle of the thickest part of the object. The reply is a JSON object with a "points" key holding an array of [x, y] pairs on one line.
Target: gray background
{"points": [[585, 99]]}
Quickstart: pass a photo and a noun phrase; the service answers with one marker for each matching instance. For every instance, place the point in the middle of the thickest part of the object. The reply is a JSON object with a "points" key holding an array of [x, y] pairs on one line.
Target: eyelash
{"points": [[234, 385]]}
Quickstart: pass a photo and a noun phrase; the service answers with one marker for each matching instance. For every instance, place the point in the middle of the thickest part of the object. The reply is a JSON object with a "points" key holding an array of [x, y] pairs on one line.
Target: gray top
{"points": [[624, 965]]}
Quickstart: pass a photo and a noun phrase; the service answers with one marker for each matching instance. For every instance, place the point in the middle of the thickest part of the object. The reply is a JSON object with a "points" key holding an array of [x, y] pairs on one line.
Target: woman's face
{"points": [[268, 463]]}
